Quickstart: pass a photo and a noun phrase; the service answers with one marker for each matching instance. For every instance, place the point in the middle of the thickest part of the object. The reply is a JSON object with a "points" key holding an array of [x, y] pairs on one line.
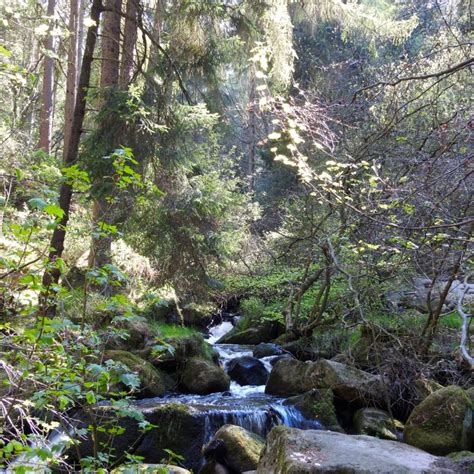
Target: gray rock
{"points": [[235, 447], [375, 422], [293, 451], [267, 349], [292, 377]]}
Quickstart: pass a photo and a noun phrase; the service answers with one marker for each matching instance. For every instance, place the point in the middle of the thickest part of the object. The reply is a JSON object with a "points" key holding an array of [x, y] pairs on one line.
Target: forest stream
{"points": [[243, 405]]}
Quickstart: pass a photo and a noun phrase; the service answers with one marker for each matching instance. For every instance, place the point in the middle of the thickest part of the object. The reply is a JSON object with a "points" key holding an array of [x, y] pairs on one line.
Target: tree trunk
{"points": [[129, 42], [252, 132], [101, 246], [72, 68], [52, 272], [46, 122]]}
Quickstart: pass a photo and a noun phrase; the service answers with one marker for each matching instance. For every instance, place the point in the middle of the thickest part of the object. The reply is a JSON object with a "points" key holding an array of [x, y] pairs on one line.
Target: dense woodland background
{"points": [[306, 163]]}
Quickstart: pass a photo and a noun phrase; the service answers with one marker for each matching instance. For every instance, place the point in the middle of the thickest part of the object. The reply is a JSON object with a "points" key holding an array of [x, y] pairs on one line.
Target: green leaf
{"points": [[5, 52], [37, 203], [90, 397], [53, 210]]}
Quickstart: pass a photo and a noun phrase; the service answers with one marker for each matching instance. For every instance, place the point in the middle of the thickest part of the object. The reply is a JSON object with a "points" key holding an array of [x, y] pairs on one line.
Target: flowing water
{"points": [[243, 405]]}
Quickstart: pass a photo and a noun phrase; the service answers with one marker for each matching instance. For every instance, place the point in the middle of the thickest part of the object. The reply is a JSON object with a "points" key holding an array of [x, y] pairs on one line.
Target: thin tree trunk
{"points": [[46, 122], [252, 132], [52, 272], [72, 68], [431, 327], [101, 245], [80, 37], [129, 42]]}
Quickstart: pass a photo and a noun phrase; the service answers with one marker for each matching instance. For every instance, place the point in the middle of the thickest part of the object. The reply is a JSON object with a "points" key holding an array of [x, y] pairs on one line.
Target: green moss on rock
{"points": [[241, 448], [442, 423], [153, 383], [203, 377], [375, 422], [317, 404]]}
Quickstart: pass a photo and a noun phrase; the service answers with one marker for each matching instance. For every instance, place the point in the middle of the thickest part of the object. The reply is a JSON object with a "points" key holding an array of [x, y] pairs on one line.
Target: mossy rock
{"points": [[317, 404], [235, 448], [176, 427], [253, 335], [198, 314], [442, 423], [149, 469], [203, 377], [153, 383], [464, 460], [424, 388], [134, 335], [378, 423], [183, 348]]}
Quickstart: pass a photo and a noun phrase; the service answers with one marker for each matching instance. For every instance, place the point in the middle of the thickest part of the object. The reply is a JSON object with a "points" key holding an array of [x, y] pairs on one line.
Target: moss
{"points": [[203, 377], [441, 423], [198, 314], [464, 459], [375, 422], [153, 383], [460, 455], [242, 448], [192, 345], [317, 404]]}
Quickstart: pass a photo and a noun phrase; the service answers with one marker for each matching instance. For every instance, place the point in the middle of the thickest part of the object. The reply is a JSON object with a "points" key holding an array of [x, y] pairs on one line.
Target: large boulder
{"points": [[198, 315], [293, 451], [293, 377], [149, 469], [317, 404], [290, 377], [348, 383], [253, 335], [153, 382], [247, 370], [376, 422], [235, 448], [267, 349], [203, 377], [442, 422], [176, 427]]}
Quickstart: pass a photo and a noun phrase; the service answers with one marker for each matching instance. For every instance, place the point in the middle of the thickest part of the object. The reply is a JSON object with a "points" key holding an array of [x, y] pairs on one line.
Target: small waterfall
{"points": [[257, 421], [292, 417], [217, 332]]}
